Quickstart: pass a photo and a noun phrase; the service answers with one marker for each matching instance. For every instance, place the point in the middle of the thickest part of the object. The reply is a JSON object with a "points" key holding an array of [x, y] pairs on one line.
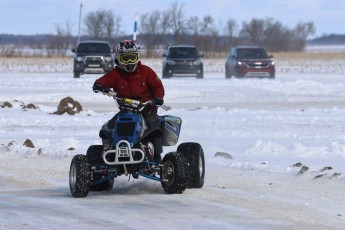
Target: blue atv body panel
{"points": [[129, 127], [171, 127]]}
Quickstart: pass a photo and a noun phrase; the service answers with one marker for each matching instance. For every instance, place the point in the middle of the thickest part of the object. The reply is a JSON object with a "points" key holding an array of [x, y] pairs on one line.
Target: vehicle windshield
{"points": [[93, 48], [182, 52], [252, 53]]}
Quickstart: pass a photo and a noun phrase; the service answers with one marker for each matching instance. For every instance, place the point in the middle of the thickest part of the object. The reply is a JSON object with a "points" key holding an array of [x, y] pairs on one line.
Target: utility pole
{"points": [[81, 6]]}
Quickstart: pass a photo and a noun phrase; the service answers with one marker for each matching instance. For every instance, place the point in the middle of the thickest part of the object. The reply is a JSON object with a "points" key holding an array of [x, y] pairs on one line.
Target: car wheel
{"points": [[76, 74], [166, 75], [235, 74], [200, 75], [227, 75]]}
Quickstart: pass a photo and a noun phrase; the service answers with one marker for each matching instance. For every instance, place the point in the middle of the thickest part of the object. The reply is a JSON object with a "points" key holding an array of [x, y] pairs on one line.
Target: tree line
{"points": [[158, 29]]}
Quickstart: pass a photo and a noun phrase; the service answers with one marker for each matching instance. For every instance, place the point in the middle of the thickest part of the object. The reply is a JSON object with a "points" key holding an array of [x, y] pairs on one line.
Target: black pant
{"points": [[152, 121]]}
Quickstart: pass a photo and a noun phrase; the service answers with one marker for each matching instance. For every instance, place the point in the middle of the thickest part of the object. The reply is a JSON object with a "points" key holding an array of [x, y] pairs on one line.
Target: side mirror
{"points": [[270, 56], [73, 50], [164, 55], [201, 55]]}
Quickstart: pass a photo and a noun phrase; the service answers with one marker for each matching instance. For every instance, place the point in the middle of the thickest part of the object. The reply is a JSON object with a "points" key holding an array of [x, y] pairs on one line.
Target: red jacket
{"points": [[143, 84]]}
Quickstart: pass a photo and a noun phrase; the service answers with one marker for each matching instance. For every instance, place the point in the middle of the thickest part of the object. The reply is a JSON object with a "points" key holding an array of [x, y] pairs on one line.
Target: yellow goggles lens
{"points": [[129, 58]]}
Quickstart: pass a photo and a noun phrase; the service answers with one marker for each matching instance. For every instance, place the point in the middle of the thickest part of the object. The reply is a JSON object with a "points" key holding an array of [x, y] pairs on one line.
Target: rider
{"points": [[132, 79]]}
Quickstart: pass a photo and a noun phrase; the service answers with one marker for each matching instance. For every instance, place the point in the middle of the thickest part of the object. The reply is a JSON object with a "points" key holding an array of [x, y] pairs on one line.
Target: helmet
{"points": [[127, 55]]}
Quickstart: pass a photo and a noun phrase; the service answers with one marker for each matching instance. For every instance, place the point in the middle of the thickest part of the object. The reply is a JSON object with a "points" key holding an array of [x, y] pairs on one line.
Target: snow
{"points": [[265, 127]]}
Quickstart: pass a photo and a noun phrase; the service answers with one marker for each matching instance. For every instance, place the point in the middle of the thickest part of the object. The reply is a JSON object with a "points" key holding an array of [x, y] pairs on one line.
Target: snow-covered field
{"points": [[286, 139]]}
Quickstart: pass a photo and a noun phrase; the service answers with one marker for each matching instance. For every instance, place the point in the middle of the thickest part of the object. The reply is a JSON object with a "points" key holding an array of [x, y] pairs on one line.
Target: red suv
{"points": [[249, 61]]}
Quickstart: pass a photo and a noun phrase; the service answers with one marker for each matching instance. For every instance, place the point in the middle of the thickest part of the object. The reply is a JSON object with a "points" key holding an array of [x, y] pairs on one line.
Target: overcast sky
{"points": [[41, 16]]}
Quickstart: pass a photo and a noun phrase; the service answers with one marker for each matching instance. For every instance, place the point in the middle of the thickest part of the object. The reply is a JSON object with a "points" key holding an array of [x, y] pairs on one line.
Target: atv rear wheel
{"points": [[195, 163], [173, 173], [79, 176], [94, 157]]}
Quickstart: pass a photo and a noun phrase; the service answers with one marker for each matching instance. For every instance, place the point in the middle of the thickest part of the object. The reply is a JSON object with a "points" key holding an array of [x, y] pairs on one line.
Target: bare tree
{"points": [[165, 22], [301, 32], [207, 26], [117, 26], [253, 32], [150, 23], [102, 24], [276, 36], [230, 29], [150, 30], [59, 43], [177, 17], [194, 28], [209, 35]]}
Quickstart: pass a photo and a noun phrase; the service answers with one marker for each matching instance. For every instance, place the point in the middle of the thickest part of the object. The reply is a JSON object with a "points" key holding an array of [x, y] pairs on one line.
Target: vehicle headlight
{"points": [[170, 62], [107, 59], [198, 62], [79, 58], [240, 63], [272, 63]]}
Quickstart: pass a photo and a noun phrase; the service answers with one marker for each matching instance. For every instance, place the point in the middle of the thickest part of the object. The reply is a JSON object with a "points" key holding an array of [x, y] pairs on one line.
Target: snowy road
{"points": [[265, 125]]}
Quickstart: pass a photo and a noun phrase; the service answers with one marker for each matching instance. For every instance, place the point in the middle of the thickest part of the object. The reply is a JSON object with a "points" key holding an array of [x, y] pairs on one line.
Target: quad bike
{"points": [[128, 150]]}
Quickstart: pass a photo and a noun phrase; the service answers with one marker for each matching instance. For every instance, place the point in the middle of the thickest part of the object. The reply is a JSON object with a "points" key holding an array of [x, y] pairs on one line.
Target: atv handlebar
{"points": [[130, 104]]}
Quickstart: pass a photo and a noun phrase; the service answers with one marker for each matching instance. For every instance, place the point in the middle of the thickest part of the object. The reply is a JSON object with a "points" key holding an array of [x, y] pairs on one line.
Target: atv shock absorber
{"points": [[148, 149]]}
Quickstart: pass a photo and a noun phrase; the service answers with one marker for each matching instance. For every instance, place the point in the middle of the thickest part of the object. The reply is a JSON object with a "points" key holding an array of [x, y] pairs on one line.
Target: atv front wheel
{"points": [[195, 163], [94, 157], [173, 173], [79, 176]]}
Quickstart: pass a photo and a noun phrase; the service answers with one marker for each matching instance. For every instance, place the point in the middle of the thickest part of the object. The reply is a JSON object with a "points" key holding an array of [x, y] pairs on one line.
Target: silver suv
{"points": [[92, 57]]}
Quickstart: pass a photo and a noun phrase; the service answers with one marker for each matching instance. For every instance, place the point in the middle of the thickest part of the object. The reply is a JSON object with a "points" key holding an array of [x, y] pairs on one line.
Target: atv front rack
{"points": [[123, 154]]}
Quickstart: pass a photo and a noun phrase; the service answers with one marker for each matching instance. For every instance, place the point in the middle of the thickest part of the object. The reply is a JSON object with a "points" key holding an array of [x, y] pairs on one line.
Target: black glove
{"points": [[157, 101], [99, 88]]}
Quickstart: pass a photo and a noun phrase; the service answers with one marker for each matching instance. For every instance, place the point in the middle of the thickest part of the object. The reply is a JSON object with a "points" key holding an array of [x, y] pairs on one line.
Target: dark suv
{"points": [[92, 57], [182, 60], [249, 61]]}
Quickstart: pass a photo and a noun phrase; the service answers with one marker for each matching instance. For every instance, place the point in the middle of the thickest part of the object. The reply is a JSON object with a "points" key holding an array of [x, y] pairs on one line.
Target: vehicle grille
{"points": [[94, 59], [184, 63], [185, 67], [125, 128], [258, 65]]}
